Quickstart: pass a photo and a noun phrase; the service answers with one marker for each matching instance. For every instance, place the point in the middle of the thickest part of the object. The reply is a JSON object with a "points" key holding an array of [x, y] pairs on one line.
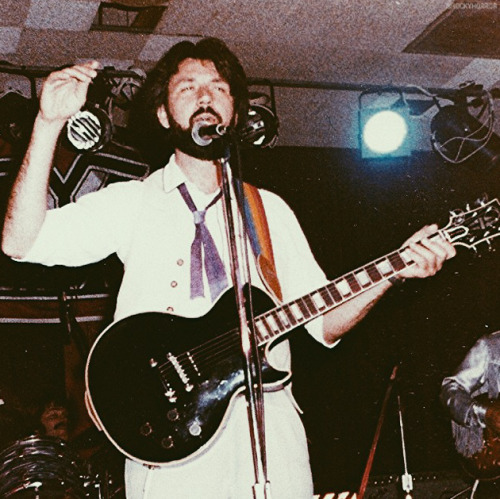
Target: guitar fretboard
{"points": [[284, 318]]}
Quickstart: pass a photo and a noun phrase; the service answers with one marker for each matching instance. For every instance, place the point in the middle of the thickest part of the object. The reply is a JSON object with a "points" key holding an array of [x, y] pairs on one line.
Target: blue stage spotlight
{"points": [[384, 131]]}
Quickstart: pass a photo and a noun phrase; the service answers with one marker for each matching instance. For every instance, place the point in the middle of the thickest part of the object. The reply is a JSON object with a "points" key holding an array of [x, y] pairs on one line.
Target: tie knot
{"points": [[199, 217]]}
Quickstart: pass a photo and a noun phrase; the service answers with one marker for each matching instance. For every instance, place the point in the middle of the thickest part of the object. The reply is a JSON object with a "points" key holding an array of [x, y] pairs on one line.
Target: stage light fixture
{"points": [[384, 130], [89, 130], [261, 127], [463, 133]]}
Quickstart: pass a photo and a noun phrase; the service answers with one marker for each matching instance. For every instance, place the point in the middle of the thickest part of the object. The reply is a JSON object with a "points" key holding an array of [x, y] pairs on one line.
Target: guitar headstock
{"points": [[473, 226]]}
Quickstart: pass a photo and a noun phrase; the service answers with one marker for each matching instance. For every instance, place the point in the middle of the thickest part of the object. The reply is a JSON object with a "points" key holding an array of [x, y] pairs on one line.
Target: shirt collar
{"points": [[172, 175]]}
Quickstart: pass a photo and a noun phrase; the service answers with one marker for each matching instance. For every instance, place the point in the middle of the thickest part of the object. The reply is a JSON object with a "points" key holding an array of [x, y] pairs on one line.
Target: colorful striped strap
{"points": [[260, 237]]}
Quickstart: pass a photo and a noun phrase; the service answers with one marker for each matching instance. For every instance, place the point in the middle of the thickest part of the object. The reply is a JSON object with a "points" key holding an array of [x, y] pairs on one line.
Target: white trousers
{"points": [[225, 470]]}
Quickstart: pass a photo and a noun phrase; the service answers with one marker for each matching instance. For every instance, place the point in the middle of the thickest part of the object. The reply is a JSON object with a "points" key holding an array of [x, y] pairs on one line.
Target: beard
{"points": [[182, 139]]}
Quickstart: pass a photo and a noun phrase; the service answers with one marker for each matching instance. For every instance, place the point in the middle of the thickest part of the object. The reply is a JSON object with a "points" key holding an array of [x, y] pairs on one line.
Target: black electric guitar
{"points": [[160, 385]]}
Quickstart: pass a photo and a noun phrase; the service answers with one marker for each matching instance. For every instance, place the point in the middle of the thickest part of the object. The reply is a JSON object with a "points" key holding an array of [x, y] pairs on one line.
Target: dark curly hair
{"points": [[208, 49], [154, 91]]}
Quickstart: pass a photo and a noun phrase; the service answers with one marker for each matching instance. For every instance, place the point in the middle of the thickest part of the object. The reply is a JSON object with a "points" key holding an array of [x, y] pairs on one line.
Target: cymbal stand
{"points": [[249, 346]]}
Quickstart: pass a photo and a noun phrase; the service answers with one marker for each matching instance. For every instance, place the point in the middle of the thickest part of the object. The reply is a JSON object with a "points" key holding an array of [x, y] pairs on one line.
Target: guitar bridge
{"points": [[169, 391]]}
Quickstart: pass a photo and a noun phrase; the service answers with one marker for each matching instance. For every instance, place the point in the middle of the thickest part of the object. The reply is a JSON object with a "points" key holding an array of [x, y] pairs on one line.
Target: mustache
{"points": [[205, 110]]}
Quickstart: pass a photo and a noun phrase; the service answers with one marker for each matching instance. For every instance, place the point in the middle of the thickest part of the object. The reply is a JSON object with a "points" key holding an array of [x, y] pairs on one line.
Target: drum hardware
{"points": [[40, 468], [406, 478], [104, 474]]}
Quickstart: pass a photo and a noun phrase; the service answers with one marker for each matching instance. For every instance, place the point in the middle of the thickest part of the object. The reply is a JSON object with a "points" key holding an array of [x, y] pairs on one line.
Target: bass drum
{"points": [[40, 468]]}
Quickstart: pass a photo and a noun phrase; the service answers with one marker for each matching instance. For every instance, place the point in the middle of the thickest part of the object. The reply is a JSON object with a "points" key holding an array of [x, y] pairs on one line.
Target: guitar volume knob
{"points": [[167, 442], [173, 415], [146, 429]]}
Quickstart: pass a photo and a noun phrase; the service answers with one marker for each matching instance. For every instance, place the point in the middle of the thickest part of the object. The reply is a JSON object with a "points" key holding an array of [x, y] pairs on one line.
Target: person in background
{"points": [[471, 395], [54, 420]]}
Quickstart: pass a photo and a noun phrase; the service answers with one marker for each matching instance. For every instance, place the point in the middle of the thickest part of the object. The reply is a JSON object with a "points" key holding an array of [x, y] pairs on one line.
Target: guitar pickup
{"points": [[188, 386]]}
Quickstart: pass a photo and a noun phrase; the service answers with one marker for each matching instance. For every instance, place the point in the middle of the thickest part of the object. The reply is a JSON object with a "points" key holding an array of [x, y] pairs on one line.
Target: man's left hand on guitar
{"points": [[429, 253]]}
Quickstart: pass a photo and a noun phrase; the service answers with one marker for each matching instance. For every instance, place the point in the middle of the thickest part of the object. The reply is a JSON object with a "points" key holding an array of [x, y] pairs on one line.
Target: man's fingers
{"points": [[426, 261], [439, 246], [428, 250], [84, 73]]}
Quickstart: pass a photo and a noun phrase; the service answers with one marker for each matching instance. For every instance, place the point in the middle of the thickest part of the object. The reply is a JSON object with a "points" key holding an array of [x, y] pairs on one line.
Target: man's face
{"points": [[197, 92], [55, 421]]}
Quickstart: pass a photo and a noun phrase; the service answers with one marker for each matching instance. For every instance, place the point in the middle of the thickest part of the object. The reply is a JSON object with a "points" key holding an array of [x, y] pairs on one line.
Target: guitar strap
{"points": [[260, 237]]}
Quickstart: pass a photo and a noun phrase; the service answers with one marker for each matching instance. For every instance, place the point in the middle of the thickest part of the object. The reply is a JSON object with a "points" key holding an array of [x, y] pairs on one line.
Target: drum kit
{"points": [[39, 467]]}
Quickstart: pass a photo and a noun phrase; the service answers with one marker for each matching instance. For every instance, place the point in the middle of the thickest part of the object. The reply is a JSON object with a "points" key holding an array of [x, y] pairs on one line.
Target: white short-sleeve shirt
{"points": [[149, 226]]}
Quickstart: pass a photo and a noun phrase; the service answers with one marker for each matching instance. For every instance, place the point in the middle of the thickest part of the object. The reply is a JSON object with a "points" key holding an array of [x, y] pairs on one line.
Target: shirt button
{"points": [[173, 284], [170, 309], [180, 262]]}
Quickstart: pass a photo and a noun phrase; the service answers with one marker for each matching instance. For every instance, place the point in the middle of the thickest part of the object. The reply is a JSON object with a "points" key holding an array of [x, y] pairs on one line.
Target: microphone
{"points": [[204, 133]]}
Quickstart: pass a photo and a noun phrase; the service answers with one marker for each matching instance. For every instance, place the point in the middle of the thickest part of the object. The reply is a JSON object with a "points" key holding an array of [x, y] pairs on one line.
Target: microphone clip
{"points": [[204, 133]]}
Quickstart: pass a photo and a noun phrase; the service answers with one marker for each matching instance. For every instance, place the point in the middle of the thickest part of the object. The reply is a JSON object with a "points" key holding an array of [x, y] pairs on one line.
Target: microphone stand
{"points": [[249, 346]]}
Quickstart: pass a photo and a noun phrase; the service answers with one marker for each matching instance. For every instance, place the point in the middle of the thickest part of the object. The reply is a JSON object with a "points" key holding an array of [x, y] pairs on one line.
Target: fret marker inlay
{"points": [[318, 300], [296, 311], [363, 278], [343, 287]]}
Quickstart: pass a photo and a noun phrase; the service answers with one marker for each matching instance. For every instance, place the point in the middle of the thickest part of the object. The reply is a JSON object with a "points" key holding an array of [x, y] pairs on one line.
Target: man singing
{"points": [[152, 224]]}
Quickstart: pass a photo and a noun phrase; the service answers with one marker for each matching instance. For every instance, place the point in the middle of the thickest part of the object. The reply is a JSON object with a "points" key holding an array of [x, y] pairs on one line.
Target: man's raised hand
{"points": [[64, 92]]}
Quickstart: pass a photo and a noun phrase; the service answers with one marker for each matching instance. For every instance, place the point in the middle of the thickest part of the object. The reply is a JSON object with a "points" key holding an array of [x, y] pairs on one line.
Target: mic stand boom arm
{"points": [[253, 381]]}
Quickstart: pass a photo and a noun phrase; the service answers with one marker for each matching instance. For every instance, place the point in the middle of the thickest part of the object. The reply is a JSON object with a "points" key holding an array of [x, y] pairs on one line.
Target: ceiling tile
{"points": [[483, 71], [156, 45], [417, 69], [43, 47], [9, 40], [121, 64], [465, 29], [14, 12], [62, 14]]}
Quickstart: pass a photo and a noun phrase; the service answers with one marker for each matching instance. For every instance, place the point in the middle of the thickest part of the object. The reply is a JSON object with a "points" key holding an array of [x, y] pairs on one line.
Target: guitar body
{"points": [[485, 464], [160, 385]]}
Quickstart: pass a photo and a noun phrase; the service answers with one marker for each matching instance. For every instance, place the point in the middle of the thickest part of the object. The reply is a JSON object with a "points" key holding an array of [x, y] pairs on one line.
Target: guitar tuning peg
{"points": [[457, 214], [483, 200]]}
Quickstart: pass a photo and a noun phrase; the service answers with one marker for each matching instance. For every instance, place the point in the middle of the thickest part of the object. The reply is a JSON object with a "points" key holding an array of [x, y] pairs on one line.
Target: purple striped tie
{"points": [[216, 274]]}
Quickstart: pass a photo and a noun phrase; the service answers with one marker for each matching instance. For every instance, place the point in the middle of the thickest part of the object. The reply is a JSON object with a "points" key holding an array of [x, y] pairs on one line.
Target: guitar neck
{"points": [[281, 320]]}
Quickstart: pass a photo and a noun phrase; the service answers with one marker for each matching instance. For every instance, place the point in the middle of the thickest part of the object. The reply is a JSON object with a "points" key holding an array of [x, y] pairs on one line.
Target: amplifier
{"points": [[335, 495], [430, 485]]}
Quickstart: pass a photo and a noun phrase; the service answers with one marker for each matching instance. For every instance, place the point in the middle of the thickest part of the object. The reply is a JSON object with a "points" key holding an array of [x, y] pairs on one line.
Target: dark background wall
{"points": [[352, 212]]}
